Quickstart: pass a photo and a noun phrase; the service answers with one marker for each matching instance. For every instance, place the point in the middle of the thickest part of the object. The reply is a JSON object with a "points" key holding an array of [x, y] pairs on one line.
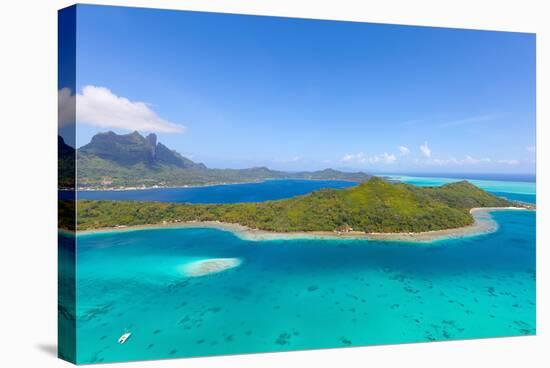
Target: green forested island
{"points": [[374, 206], [113, 160]]}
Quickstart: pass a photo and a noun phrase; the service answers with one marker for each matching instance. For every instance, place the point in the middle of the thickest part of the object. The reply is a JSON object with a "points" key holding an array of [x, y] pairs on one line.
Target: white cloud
{"points": [[438, 161], [426, 151], [361, 158], [404, 150], [355, 157], [99, 107], [383, 158], [472, 160]]}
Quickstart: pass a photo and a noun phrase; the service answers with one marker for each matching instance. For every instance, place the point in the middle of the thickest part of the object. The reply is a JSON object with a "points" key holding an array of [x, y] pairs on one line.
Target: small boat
{"points": [[122, 339]]}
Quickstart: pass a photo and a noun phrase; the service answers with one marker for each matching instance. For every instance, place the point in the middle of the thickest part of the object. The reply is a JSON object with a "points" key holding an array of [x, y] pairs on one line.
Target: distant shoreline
{"points": [[122, 189], [483, 224]]}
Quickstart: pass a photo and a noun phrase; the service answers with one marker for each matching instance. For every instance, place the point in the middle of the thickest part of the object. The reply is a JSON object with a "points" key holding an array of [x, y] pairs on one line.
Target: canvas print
{"points": [[236, 184]]}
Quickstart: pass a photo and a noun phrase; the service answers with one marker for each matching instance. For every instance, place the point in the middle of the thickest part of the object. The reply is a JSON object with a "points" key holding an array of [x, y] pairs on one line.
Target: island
{"points": [[132, 161], [371, 208]]}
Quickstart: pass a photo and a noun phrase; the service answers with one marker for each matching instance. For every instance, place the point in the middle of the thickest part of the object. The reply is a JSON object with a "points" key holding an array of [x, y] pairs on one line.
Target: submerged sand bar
{"points": [[483, 224], [209, 266]]}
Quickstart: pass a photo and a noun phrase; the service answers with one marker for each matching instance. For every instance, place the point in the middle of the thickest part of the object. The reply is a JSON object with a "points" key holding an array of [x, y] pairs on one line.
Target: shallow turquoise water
{"points": [[298, 294], [524, 191]]}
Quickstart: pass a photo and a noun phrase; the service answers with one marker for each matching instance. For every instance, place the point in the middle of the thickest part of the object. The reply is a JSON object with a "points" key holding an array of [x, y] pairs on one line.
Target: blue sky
{"points": [[295, 94]]}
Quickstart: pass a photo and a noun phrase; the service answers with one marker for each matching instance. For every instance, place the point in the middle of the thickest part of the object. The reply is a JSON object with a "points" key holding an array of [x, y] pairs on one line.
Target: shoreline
{"points": [[190, 186], [483, 224], [122, 189]]}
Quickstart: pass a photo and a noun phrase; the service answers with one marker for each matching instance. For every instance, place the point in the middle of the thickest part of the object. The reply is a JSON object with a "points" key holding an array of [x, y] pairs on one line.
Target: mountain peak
{"points": [[133, 149], [152, 139], [132, 160]]}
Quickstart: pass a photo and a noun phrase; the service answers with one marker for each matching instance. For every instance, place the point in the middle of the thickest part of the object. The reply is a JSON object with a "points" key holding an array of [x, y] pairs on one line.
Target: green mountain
{"points": [[134, 149], [112, 160], [372, 206]]}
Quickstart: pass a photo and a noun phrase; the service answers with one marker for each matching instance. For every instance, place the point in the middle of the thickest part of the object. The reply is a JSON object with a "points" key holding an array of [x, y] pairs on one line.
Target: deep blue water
{"points": [[526, 198], [231, 193], [520, 189]]}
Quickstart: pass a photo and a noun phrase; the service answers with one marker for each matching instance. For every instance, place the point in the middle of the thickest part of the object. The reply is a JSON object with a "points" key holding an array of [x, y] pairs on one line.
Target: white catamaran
{"points": [[122, 339]]}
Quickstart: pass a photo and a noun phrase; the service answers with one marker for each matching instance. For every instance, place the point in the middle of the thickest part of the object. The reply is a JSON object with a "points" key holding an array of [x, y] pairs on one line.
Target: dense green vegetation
{"points": [[373, 206], [131, 160], [66, 214]]}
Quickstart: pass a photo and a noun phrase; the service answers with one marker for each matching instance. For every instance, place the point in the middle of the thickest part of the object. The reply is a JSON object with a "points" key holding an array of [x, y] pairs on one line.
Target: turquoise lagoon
{"points": [[518, 190], [298, 294]]}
